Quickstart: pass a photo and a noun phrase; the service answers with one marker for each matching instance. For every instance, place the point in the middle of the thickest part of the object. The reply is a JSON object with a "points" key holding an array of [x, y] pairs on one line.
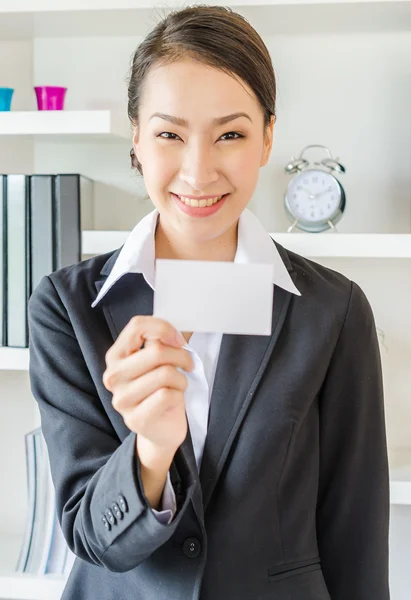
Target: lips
{"points": [[200, 202], [199, 211]]}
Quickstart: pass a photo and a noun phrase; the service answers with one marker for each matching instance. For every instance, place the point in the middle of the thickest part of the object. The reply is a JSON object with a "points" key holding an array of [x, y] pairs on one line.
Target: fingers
{"points": [[149, 413], [164, 377], [138, 330], [134, 366]]}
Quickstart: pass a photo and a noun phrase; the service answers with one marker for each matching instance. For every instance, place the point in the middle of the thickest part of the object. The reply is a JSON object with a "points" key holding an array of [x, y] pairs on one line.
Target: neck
{"points": [[171, 244]]}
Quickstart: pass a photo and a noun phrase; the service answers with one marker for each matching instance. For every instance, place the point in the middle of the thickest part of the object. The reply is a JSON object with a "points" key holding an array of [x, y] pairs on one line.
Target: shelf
{"points": [[14, 359], [20, 20], [100, 242], [347, 245], [343, 245], [22, 586], [400, 475], [75, 124], [29, 587]]}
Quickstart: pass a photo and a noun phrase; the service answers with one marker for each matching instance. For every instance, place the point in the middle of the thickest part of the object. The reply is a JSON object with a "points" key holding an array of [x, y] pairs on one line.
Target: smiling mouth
{"points": [[200, 203]]}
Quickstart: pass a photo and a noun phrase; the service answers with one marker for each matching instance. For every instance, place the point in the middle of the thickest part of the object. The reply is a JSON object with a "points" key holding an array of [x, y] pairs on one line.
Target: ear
{"points": [[136, 141], [268, 142]]}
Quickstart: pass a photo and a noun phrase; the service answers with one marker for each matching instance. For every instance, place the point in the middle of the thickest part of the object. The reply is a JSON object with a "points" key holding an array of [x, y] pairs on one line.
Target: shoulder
{"points": [[325, 290], [311, 275]]}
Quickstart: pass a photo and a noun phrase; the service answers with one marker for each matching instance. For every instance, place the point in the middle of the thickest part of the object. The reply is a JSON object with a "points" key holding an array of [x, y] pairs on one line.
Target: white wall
{"points": [[100, 82], [16, 155]]}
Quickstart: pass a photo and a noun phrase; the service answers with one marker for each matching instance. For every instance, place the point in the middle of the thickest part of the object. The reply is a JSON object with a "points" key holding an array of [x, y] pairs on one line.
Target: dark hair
{"points": [[214, 35]]}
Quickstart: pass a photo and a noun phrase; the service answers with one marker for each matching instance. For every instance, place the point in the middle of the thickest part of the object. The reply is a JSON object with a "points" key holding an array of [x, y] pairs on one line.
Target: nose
{"points": [[199, 167]]}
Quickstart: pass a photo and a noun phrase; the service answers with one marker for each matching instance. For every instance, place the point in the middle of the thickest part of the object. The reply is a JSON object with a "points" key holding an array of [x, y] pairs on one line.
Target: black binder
{"points": [[61, 206], [17, 275], [41, 217], [73, 212]]}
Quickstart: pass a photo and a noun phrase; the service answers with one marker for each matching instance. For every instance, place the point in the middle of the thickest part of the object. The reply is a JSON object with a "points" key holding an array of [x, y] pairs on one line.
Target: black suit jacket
{"points": [[292, 499]]}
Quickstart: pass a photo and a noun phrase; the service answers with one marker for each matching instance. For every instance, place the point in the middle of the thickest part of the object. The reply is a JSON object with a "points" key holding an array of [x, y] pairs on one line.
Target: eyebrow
{"points": [[184, 123]]}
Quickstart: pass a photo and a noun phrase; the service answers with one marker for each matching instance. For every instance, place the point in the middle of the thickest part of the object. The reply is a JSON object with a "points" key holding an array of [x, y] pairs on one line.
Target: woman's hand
{"points": [[147, 389]]}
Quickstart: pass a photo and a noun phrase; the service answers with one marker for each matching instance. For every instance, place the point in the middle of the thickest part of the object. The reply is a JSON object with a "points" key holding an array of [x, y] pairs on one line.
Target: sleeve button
{"points": [[122, 503], [106, 523], [116, 510], [110, 517]]}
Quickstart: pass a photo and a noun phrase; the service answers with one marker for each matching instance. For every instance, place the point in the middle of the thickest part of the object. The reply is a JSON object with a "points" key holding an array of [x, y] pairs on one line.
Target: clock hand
{"points": [[307, 190], [323, 192]]}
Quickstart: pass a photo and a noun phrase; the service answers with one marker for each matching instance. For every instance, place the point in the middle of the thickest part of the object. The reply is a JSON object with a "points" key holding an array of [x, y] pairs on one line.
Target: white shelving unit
{"points": [[400, 476], [24, 586], [342, 71], [67, 123], [337, 245], [14, 359]]}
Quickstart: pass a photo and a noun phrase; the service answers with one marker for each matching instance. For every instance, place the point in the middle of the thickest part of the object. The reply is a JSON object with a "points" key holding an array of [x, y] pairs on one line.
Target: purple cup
{"points": [[50, 97]]}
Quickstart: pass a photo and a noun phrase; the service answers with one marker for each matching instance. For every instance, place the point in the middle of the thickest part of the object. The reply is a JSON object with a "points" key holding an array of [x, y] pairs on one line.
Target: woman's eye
{"points": [[233, 133], [169, 134]]}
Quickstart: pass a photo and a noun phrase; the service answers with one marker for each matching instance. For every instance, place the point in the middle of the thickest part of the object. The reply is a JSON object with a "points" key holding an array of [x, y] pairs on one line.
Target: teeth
{"points": [[201, 203]]}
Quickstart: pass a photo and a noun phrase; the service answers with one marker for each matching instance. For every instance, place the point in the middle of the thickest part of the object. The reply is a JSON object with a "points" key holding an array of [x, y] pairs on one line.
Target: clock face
{"points": [[313, 196]]}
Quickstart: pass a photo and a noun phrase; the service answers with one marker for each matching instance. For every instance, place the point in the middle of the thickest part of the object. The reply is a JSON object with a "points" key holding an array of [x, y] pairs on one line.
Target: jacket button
{"points": [[110, 517], [106, 523], [122, 503], [192, 547], [116, 510]]}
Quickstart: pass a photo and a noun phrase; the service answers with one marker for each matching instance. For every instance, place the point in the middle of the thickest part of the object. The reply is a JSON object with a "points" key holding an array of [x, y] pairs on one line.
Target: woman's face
{"points": [[201, 157]]}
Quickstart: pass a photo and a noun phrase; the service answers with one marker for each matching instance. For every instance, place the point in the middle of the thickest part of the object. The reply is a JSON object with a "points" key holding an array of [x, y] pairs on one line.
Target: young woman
{"points": [[210, 467]]}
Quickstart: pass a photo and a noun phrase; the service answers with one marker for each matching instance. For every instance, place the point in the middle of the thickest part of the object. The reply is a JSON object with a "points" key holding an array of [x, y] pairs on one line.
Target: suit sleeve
{"points": [[353, 499], [93, 472]]}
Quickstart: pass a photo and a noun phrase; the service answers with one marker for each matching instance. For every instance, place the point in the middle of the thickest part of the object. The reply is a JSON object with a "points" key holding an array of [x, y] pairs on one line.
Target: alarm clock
{"points": [[314, 200]]}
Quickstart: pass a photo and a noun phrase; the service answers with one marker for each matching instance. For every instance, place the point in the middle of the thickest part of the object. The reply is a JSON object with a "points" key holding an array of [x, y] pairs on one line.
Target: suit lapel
{"points": [[241, 364]]}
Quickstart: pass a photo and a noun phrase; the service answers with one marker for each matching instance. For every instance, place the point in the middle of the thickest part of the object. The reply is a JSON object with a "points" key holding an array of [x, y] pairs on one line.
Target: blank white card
{"points": [[209, 296]]}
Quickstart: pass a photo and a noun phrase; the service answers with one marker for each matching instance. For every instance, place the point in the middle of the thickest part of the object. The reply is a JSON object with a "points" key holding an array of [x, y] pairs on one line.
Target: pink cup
{"points": [[50, 97]]}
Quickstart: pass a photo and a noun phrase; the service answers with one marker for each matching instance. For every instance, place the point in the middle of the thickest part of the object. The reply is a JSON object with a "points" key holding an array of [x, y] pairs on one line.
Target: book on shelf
{"points": [[41, 217], [44, 549], [41, 240], [2, 254], [16, 261]]}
